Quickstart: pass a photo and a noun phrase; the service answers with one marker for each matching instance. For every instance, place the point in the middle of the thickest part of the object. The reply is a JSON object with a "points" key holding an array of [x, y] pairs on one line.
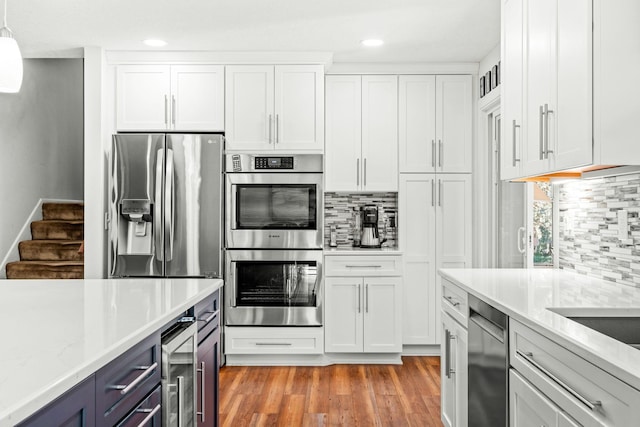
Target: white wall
{"points": [[41, 141]]}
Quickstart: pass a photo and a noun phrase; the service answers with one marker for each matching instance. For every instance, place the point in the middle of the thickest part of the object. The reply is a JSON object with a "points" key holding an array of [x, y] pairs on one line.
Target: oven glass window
{"points": [[264, 206], [276, 284]]}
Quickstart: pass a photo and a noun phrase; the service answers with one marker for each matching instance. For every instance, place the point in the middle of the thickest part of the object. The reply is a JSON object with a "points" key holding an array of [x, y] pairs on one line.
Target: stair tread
{"points": [[62, 210], [64, 221], [47, 263], [52, 242]]}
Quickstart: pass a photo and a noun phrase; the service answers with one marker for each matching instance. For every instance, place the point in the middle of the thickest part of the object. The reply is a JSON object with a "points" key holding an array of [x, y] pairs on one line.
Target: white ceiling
{"points": [[413, 30]]}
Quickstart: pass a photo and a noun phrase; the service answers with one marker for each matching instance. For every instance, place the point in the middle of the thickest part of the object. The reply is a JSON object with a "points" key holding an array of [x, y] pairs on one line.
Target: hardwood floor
{"points": [[337, 395]]}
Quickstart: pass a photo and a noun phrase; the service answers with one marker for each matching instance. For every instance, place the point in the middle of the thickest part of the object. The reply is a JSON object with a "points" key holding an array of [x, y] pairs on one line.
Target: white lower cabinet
{"points": [[527, 406], [453, 373], [362, 312]]}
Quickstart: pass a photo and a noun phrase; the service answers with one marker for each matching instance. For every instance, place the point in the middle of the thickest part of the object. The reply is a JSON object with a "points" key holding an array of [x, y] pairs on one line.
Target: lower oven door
{"points": [[273, 288]]}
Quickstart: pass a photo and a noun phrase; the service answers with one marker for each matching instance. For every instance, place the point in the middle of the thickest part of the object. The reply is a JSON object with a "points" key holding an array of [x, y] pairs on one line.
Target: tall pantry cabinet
{"points": [[435, 201]]}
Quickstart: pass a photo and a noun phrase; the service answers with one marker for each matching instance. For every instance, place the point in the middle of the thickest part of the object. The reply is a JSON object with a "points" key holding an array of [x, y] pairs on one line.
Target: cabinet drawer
{"points": [[455, 301], [207, 314], [147, 413], [588, 394], [358, 265], [123, 383], [274, 340]]}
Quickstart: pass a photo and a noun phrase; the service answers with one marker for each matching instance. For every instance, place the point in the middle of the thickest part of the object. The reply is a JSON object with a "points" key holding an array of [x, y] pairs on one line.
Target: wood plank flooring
{"points": [[337, 395]]}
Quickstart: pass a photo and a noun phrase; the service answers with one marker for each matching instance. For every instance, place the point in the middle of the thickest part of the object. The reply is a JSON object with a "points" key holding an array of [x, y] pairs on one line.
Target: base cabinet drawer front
{"points": [[357, 265], [585, 392], [455, 301], [527, 406], [77, 407], [241, 340], [207, 314], [125, 381], [147, 414]]}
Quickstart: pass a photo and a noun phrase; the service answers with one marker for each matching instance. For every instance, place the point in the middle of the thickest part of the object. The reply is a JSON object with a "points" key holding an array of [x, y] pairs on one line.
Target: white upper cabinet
{"points": [[454, 123], [362, 133], [436, 127], [164, 97], [274, 107]]}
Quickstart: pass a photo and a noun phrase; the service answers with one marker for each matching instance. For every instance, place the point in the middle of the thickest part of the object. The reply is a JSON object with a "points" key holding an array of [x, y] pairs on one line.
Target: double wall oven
{"points": [[274, 209]]}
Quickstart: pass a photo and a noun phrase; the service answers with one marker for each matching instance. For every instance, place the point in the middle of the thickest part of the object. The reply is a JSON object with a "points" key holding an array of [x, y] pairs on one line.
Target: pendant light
{"points": [[10, 59]]}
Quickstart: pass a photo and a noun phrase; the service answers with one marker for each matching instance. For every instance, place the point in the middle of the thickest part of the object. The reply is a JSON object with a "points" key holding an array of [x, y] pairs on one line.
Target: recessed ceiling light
{"points": [[155, 42], [372, 42]]}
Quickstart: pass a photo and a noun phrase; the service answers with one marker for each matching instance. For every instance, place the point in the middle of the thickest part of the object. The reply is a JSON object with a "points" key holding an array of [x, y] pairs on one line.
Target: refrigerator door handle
{"points": [[157, 208], [168, 206]]}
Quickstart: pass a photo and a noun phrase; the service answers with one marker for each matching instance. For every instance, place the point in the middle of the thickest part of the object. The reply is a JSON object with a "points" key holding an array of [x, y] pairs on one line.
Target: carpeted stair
{"points": [[56, 251]]}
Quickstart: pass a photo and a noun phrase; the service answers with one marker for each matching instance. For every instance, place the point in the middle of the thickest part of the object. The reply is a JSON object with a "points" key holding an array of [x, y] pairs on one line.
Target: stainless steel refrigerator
{"points": [[165, 196]]}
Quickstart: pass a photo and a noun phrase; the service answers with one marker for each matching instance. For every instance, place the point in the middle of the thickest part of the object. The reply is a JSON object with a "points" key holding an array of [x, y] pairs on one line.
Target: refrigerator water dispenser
{"points": [[137, 217]]}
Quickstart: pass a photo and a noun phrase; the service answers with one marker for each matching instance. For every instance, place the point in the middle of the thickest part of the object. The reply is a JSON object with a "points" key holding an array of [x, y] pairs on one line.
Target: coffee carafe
{"points": [[370, 233]]}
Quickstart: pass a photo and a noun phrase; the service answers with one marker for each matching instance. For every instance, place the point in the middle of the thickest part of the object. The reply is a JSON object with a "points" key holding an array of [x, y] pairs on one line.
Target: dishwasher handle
{"points": [[489, 327]]}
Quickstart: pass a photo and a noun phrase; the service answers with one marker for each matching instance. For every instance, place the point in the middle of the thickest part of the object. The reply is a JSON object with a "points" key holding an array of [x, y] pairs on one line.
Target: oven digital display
{"points": [[273, 162]]}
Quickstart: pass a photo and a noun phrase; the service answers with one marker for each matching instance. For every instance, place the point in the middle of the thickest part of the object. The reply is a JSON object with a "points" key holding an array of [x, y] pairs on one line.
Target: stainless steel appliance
{"points": [[273, 201], [273, 287], [488, 365], [370, 236], [179, 359], [166, 205]]}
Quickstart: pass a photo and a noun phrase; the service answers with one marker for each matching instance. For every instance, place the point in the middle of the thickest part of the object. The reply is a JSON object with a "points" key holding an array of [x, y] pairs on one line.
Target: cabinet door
{"points": [[573, 139], [299, 107], [448, 401], [417, 123], [197, 97], [460, 341], [142, 97], [77, 407], [343, 127], [565, 420], [383, 314], [529, 407], [417, 234], [380, 133], [249, 118], [511, 138], [453, 224], [540, 84], [454, 123], [343, 314], [208, 366]]}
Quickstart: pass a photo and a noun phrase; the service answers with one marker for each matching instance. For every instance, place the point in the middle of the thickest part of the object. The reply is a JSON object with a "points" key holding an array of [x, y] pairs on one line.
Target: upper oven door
{"points": [[274, 210]]}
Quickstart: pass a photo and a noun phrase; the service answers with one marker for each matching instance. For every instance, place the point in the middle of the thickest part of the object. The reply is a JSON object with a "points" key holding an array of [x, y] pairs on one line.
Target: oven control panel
{"points": [[273, 162]]}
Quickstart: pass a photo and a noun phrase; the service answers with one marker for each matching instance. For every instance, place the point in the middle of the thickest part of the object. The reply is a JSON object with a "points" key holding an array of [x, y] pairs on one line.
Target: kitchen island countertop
{"points": [[58, 332], [527, 294]]}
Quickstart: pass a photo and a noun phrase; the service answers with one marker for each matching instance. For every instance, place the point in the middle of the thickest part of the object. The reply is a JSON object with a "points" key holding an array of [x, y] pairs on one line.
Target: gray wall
{"points": [[41, 141]]}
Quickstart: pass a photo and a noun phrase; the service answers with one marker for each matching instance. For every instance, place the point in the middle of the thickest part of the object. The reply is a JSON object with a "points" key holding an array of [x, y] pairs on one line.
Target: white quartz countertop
{"points": [[55, 333], [349, 250], [527, 295]]}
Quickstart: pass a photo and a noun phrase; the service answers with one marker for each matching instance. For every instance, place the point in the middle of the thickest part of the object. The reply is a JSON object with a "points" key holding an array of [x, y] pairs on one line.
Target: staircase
{"points": [[56, 250]]}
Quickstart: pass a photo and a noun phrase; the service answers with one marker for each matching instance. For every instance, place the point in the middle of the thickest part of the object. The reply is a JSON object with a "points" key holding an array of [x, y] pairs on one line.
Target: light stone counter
{"points": [[350, 250], [56, 333], [527, 294]]}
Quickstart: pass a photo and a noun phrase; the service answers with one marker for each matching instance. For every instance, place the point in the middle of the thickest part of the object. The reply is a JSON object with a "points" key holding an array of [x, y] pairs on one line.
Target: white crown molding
{"points": [[54, 54], [225, 58], [404, 68]]}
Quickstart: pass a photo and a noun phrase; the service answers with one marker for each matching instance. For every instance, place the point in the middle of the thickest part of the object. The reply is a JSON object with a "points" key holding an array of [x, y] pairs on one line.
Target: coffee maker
{"points": [[370, 234]]}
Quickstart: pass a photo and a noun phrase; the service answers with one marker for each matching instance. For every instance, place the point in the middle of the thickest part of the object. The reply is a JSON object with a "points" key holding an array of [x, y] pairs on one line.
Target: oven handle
{"points": [[232, 286], [232, 195]]}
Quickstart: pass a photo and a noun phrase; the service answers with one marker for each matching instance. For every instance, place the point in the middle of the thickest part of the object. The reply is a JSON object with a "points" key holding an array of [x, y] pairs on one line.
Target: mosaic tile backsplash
{"points": [[338, 211], [589, 242]]}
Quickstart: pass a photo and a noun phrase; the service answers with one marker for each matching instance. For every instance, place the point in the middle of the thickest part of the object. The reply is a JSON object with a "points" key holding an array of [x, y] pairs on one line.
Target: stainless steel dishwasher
{"points": [[488, 365]]}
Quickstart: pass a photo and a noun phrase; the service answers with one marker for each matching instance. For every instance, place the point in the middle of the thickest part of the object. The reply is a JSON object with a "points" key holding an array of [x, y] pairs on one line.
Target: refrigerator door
{"points": [[193, 205], [137, 181]]}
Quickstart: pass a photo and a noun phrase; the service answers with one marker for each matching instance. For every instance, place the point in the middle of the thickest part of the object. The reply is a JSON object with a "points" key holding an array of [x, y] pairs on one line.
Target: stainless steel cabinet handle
{"points": [[359, 300], [363, 266], [212, 315], [365, 172], [166, 110], [447, 353], [546, 130], [277, 128], [173, 109], [202, 391], [358, 172], [515, 159], [440, 152], [124, 389], [151, 412], [180, 399], [452, 301], [366, 298], [439, 192], [591, 404], [450, 371], [274, 343], [433, 192], [541, 130], [270, 119], [433, 153]]}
